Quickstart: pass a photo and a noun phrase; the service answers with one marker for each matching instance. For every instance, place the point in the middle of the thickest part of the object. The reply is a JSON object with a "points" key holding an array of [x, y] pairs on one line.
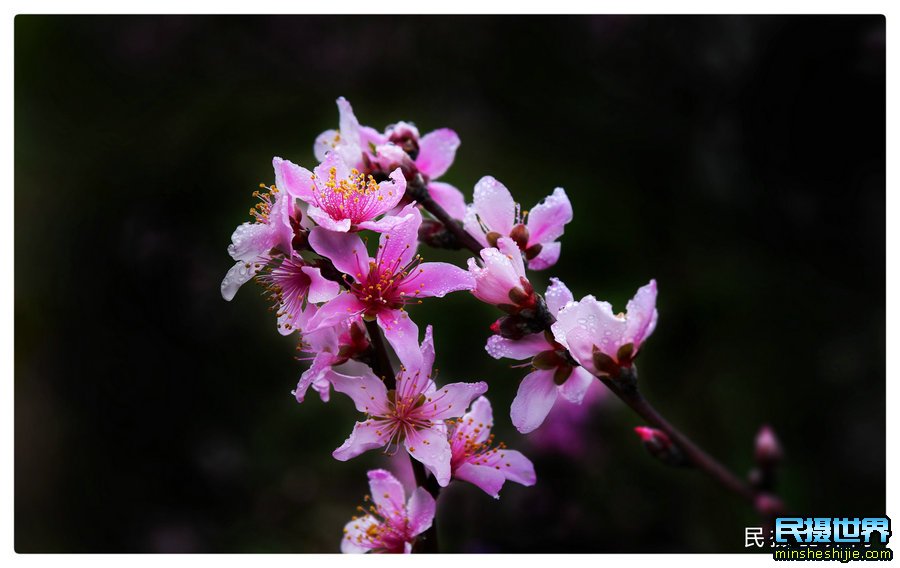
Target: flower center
{"points": [[260, 211], [355, 197]]}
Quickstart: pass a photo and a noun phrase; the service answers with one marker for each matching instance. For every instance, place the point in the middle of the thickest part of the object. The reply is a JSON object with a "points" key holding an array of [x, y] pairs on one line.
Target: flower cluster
{"points": [[335, 250]]}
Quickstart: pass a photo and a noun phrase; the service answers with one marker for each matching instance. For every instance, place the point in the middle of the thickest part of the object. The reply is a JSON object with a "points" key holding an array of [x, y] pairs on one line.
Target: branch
{"points": [[417, 190]]}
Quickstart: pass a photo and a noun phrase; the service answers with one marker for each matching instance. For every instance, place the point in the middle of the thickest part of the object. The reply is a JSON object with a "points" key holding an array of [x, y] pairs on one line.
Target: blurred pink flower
{"points": [[413, 414], [494, 214], [380, 287], [390, 524], [565, 430], [373, 152], [476, 459], [601, 341], [553, 374]]}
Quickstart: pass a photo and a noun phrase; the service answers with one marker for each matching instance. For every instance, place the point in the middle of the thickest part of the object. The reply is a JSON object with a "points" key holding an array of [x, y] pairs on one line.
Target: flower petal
{"points": [[500, 347], [487, 478], [295, 180], [321, 289], [557, 296], [640, 314], [251, 240], [325, 143], [598, 324], [547, 257], [343, 307], [420, 511], [517, 468], [356, 533], [325, 221], [449, 198], [436, 152], [397, 246], [427, 351], [480, 417], [321, 363], [237, 276], [436, 279], [494, 205], [450, 401], [473, 226], [536, 396], [403, 335], [367, 391], [430, 446], [345, 250], [387, 493], [577, 385], [547, 219], [349, 145], [366, 436]]}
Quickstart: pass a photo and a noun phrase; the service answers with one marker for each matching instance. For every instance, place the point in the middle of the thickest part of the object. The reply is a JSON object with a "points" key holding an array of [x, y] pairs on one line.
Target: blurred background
{"points": [[740, 161]]}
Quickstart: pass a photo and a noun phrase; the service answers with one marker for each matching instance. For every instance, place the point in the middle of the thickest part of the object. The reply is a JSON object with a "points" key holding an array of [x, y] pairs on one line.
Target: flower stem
{"points": [[418, 191], [696, 456], [428, 541]]}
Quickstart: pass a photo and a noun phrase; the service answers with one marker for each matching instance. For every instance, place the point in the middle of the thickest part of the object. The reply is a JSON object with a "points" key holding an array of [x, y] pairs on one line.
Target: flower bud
{"points": [[660, 446], [768, 450]]}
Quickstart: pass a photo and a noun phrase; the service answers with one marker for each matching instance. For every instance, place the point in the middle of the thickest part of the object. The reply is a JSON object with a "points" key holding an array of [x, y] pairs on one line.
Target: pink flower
{"points": [[252, 242], [494, 214], [371, 151], [340, 197], [476, 459], [390, 523], [413, 414], [601, 341], [295, 286], [331, 347], [381, 286], [500, 278], [553, 373]]}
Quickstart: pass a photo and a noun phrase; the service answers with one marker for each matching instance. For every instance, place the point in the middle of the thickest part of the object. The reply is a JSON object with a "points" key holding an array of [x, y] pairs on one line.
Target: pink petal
{"points": [[345, 250], [251, 240], [576, 385], [325, 143], [349, 145], [427, 351], [237, 276], [436, 152], [392, 191], [387, 493], [382, 225], [403, 335], [557, 296], [516, 467], [641, 315], [597, 324], [452, 400], [548, 256], [294, 179], [430, 446], [367, 392], [449, 198], [509, 247], [473, 226], [487, 478], [420, 511], [482, 418], [366, 436], [343, 307], [536, 396], [355, 533], [325, 221], [547, 220], [494, 205], [397, 246], [525, 348], [321, 289], [436, 279], [321, 363]]}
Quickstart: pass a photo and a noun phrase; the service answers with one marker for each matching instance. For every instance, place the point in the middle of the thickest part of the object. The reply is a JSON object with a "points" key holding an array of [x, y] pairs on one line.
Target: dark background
{"points": [[738, 160]]}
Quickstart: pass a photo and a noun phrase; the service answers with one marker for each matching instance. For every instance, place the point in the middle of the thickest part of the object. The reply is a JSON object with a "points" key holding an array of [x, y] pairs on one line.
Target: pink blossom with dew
{"points": [[604, 342], [372, 152], [341, 198], [271, 229], [380, 287], [500, 276], [494, 214], [389, 523], [553, 373], [331, 347], [477, 460], [412, 414]]}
